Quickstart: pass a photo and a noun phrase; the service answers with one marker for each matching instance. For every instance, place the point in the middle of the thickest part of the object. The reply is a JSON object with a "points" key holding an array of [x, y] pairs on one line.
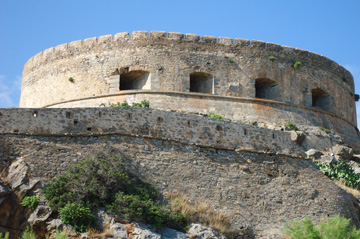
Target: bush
{"points": [[297, 64], [292, 126], [215, 116], [28, 234], [138, 208], [325, 130], [32, 202], [105, 182], [96, 181], [6, 236], [144, 103], [271, 58], [78, 216], [340, 171], [332, 228], [60, 235], [71, 79]]}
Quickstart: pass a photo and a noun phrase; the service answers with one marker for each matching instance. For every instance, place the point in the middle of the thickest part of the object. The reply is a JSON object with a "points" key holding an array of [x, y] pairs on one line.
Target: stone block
{"points": [[157, 34]]}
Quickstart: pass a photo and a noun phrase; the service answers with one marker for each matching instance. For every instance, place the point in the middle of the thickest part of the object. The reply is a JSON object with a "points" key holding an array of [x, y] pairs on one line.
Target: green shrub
{"points": [[297, 64], [144, 103], [60, 235], [71, 79], [231, 61], [96, 181], [331, 228], [28, 234], [78, 216], [325, 130], [271, 58], [105, 182], [340, 171], [138, 208], [31, 201], [215, 116], [292, 126], [6, 236], [304, 229]]}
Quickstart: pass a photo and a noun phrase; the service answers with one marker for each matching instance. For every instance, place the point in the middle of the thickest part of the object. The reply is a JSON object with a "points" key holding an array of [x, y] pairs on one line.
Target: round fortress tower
{"points": [[236, 78]]}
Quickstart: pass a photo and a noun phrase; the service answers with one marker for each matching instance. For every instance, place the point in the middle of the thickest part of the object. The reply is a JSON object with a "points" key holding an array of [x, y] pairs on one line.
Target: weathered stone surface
{"points": [[39, 215], [298, 137], [201, 232], [313, 153], [327, 158], [53, 224], [342, 152], [168, 233], [118, 230], [4, 191], [102, 218], [17, 173]]}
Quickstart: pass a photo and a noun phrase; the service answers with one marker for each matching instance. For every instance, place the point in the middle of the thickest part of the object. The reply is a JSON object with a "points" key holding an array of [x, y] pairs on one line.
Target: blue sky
{"points": [[330, 28]]}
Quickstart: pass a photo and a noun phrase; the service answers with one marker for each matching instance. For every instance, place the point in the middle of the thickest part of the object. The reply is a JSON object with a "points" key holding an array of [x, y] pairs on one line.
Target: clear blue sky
{"points": [[330, 28]]}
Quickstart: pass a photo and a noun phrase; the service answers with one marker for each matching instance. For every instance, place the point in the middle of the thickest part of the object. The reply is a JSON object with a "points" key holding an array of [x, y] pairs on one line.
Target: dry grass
{"points": [[95, 234], [352, 191], [199, 211]]}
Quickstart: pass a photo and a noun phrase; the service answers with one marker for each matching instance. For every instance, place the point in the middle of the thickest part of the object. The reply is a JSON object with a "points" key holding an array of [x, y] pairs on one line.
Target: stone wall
{"points": [[258, 111], [233, 66], [257, 191]]}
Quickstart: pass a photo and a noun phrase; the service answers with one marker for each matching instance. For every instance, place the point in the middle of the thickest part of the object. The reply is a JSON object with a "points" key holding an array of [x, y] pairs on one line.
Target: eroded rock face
{"points": [[343, 152], [18, 172]]}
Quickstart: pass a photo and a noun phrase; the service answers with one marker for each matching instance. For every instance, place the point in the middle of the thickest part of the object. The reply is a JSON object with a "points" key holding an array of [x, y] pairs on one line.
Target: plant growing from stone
{"points": [[271, 58], [292, 126], [144, 104], [334, 227], [297, 64], [215, 116], [78, 216], [4, 236], [71, 79], [105, 182], [325, 130], [28, 234], [30, 201], [340, 171]]}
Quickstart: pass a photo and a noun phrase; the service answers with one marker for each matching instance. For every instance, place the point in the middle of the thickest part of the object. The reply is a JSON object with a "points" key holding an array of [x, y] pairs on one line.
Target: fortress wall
{"points": [[257, 110], [257, 191], [234, 64], [188, 129]]}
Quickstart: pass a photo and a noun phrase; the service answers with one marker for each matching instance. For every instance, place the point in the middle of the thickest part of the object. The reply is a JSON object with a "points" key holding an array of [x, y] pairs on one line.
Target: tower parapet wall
{"points": [[234, 67]]}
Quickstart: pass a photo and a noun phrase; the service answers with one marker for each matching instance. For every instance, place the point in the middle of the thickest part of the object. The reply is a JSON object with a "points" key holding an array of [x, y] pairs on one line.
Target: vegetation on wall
{"points": [[342, 171], [31, 202], [297, 64], [325, 130], [144, 104], [105, 182], [331, 228], [271, 58], [292, 126], [215, 116]]}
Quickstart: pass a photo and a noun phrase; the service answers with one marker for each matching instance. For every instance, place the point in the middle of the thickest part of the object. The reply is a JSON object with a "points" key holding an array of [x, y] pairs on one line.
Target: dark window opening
{"points": [[321, 99], [134, 80], [267, 89], [201, 82]]}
